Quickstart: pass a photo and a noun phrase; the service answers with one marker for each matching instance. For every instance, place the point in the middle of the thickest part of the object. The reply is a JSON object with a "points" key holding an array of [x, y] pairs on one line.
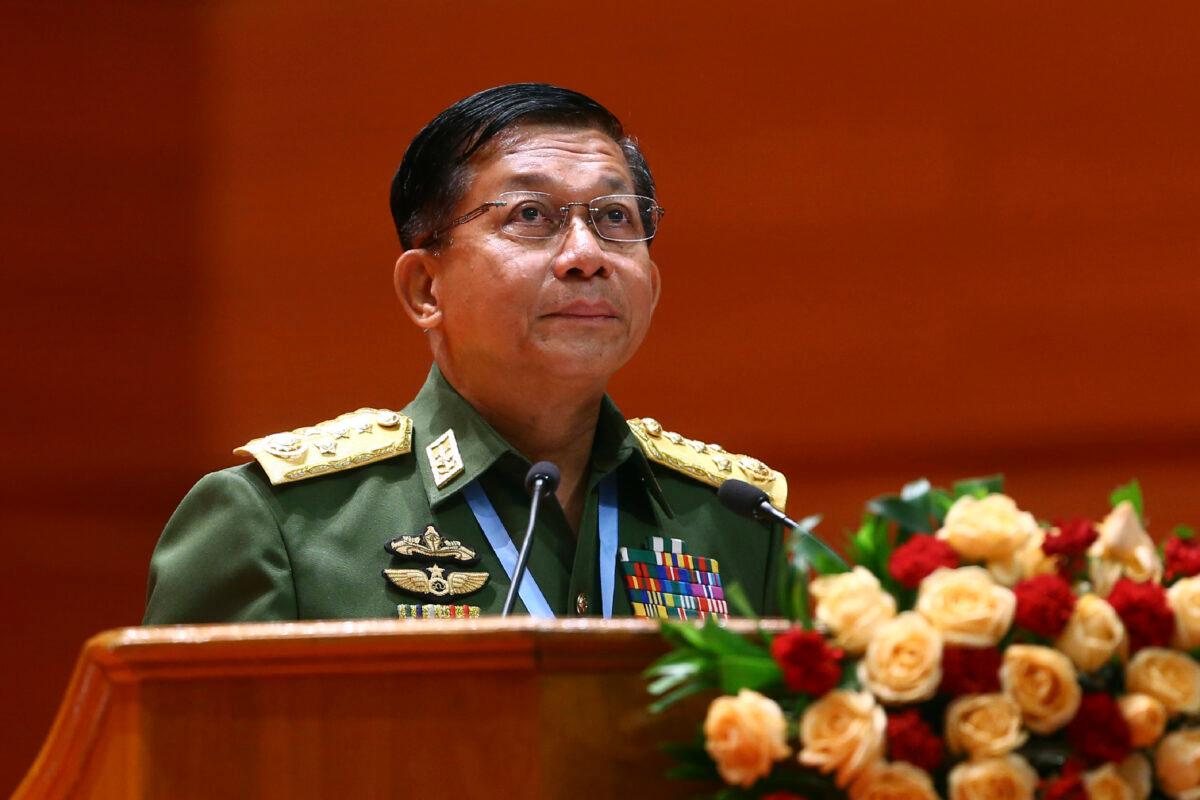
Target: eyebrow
{"points": [[538, 180]]}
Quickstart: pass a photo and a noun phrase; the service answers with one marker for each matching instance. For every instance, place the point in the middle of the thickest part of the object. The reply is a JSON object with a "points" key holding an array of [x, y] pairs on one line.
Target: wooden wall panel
{"points": [[903, 239]]}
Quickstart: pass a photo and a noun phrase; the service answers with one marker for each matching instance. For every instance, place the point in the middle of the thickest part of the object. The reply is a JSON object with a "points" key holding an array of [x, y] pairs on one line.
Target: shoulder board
{"points": [[348, 441], [707, 463]]}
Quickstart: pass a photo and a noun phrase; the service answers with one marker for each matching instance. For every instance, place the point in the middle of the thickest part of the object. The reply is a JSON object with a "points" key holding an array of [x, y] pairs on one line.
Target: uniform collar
{"points": [[438, 407]]}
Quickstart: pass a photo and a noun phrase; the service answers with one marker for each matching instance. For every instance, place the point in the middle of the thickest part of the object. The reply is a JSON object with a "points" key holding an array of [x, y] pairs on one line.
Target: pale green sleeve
{"points": [[221, 557]]}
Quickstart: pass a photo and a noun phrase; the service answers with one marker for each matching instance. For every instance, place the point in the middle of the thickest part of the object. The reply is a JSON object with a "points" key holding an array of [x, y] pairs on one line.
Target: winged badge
{"points": [[436, 583]]}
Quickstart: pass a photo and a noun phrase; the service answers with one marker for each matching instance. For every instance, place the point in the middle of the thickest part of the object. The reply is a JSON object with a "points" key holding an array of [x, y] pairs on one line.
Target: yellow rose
{"points": [[1170, 677], [1184, 599], [1123, 549], [851, 605], [1135, 771], [1042, 682], [903, 663], [1006, 778], [991, 529], [745, 735], [843, 731], [1093, 633], [1027, 562], [966, 605], [1146, 717], [1177, 764], [1106, 783], [893, 781], [984, 725]]}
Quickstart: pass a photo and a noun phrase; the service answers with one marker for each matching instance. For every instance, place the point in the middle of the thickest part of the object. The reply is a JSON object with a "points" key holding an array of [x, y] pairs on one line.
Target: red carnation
{"points": [[1099, 731], [909, 738], [1066, 786], [970, 670], [1044, 604], [1181, 557], [809, 664], [1143, 608], [1071, 537], [919, 556]]}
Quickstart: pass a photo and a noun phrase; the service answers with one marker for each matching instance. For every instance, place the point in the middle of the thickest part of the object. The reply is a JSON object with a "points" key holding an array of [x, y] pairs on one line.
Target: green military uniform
{"points": [[304, 532]]}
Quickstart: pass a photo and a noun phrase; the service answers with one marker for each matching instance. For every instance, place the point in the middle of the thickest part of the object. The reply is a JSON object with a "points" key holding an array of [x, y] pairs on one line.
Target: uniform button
{"points": [[581, 603]]}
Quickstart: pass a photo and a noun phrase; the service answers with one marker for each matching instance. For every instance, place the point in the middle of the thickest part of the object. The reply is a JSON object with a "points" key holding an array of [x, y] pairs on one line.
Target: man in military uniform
{"points": [[525, 215]]}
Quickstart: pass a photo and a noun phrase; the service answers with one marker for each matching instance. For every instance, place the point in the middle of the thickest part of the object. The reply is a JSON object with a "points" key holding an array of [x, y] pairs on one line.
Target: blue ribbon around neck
{"points": [[502, 544]]}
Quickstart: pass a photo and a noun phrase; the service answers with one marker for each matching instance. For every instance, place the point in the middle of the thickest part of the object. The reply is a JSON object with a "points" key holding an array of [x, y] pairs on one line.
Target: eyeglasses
{"points": [[536, 215]]}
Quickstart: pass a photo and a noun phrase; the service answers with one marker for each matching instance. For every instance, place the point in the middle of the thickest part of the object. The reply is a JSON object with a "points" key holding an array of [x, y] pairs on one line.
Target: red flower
{"points": [[909, 738], [1068, 785], [1071, 537], [1044, 604], [919, 556], [970, 670], [1099, 731], [809, 664], [1182, 557], [1143, 608]]}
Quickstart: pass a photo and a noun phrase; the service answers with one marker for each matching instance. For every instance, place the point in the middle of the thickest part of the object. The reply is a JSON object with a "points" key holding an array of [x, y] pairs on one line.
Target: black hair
{"points": [[433, 175]]}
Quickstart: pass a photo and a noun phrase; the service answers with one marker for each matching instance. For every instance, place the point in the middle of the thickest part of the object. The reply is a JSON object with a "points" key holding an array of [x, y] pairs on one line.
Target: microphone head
{"points": [[547, 473], [742, 498]]}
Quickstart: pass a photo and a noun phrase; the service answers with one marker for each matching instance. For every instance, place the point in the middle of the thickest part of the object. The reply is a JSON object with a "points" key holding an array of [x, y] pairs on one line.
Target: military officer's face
{"points": [[575, 305]]}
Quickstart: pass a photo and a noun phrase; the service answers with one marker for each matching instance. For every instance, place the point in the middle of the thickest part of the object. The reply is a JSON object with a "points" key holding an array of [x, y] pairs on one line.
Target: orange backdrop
{"points": [[903, 239]]}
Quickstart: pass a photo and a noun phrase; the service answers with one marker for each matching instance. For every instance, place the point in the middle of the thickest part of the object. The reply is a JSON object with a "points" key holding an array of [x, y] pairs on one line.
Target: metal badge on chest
{"points": [[434, 581]]}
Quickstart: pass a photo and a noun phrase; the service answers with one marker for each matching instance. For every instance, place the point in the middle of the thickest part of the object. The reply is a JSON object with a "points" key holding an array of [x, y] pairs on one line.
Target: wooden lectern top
{"points": [[421, 708]]}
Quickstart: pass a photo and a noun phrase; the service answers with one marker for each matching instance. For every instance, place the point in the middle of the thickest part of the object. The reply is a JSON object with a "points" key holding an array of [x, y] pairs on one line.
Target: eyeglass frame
{"points": [[483, 208]]}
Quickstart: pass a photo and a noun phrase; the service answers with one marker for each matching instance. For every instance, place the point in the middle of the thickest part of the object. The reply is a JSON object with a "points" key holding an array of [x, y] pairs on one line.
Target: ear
{"points": [[415, 278], [655, 283]]}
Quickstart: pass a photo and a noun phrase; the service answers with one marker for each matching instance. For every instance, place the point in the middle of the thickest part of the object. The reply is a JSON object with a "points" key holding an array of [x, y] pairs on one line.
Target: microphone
{"points": [[541, 481], [750, 501]]}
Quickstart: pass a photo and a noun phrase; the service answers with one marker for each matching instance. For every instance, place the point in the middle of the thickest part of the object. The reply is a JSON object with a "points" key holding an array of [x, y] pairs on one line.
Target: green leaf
{"points": [[668, 676], [1184, 532], [939, 503], [682, 634], [979, 487], [671, 698], [801, 611], [735, 595], [849, 679], [719, 641], [909, 515], [870, 547], [737, 672], [1132, 492], [823, 558]]}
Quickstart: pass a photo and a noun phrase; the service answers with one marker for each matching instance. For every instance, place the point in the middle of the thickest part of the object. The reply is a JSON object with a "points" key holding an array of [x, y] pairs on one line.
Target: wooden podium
{"points": [[360, 709]]}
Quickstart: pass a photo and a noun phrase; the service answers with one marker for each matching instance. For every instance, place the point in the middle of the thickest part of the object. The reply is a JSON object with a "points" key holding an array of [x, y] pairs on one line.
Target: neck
{"points": [[545, 421]]}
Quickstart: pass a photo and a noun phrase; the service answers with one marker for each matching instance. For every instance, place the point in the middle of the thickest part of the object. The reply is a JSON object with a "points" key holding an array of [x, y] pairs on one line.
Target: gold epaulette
{"points": [[351, 440], [708, 463]]}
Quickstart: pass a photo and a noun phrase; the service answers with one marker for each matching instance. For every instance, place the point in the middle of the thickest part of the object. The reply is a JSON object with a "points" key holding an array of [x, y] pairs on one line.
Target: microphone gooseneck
{"points": [[541, 481]]}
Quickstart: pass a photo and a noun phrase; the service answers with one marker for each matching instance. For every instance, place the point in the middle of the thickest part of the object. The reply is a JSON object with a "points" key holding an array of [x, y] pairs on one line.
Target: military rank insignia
{"points": [[432, 580], [664, 582]]}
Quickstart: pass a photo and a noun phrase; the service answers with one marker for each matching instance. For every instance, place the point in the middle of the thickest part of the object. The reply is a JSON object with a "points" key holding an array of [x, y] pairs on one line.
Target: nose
{"points": [[580, 254]]}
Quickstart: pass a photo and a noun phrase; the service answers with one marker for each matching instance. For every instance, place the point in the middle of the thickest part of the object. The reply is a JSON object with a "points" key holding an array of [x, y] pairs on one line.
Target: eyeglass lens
{"points": [[615, 217]]}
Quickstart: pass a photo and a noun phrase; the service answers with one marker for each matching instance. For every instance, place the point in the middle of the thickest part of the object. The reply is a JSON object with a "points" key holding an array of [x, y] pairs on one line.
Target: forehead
{"points": [[550, 158]]}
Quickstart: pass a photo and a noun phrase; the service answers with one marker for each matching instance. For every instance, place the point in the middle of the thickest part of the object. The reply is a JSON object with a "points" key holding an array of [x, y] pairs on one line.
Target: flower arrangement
{"points": [[969, 653]]}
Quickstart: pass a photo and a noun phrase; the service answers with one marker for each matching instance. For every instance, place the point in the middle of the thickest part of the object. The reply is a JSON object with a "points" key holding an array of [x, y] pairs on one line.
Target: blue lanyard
{"points": [[529, 592], [608, 540]]}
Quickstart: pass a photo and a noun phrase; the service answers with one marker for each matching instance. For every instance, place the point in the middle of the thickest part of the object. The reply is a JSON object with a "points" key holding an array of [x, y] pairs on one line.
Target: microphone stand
{"points": [[539, 485]]}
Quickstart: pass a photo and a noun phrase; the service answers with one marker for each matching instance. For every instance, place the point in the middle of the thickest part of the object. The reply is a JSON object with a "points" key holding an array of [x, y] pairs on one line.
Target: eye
{"points": [[531, 217]]}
